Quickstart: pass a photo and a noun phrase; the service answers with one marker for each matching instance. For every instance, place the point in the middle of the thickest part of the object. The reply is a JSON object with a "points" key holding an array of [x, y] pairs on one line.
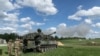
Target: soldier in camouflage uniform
{"points": [[38, 39], [10, 47], [18, 47]]}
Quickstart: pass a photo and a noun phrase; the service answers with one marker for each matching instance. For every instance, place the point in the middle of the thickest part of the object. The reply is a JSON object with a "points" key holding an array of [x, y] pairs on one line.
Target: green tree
{"points": [[56, 37], [7, 36]]}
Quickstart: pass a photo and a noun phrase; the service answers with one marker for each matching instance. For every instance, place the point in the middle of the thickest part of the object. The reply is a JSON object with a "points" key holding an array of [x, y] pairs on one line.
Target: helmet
{"points": [[38, 30]]}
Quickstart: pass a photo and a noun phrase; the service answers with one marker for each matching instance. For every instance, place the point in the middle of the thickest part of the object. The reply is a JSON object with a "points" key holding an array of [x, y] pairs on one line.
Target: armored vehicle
{"points": [[47, 43]]}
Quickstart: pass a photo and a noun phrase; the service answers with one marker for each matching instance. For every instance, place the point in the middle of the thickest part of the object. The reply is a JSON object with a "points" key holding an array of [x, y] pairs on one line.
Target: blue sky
{"points": [[66, 17]]}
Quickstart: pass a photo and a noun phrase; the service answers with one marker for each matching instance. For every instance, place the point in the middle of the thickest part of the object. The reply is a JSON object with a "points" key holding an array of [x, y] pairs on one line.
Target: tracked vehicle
{"points": [[47, 43]]}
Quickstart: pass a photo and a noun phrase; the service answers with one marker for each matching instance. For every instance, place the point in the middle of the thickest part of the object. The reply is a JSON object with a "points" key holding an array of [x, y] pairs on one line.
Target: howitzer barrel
{"points": [[52, 33], [49, 36]]}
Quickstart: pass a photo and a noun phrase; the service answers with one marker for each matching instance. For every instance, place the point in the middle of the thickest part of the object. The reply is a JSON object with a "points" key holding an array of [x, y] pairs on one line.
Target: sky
{"points": [[68, 18]]}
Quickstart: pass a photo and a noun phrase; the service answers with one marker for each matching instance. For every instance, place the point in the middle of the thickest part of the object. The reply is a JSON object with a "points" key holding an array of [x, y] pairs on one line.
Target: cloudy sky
{"points": [[66, 17]]}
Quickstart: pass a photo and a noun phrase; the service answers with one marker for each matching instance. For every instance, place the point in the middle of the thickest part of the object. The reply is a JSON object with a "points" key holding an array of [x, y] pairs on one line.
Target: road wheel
{"points": [[42, 50]]}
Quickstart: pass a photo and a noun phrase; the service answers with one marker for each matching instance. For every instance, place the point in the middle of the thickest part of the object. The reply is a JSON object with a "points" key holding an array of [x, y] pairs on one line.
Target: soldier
{"points": [[38, 39], [18, 47], [10, 47]]}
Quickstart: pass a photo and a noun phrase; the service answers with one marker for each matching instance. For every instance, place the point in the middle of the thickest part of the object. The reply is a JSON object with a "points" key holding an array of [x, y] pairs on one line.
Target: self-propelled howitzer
{"points": [[47, 42]]}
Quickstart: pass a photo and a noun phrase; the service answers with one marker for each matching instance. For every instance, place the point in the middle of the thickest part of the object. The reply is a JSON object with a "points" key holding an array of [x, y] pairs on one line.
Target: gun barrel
{"points": [[52, 33]]}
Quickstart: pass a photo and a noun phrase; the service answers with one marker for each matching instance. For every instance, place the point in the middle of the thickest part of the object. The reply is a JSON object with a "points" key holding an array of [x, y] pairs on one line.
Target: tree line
{"points": [[68, 38], [8, 36]]}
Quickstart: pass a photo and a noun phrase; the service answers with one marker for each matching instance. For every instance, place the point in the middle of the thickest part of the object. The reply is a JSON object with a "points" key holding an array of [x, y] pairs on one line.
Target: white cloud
{"points": [[63, 25], [30, 24], [50, 30], [17, 5], [7, 30], [38, 24], [93, 32], [27, 23], [89, 21], [27, 19], [79, 7], [97, 24], [42, 6], [3, 14], [11, 24], [74, 17], [6, 5], [61, 29], [11, 17], [94, 11], [8, 22], [27, 26], [24, 32]]}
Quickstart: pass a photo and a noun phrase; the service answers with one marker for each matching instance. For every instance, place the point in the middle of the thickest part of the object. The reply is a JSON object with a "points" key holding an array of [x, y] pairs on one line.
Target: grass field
{"points": [[71, 48]]}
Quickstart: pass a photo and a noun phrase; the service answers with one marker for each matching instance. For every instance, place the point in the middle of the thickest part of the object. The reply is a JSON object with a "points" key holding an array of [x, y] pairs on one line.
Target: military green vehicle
{"points": [[47, 43]]}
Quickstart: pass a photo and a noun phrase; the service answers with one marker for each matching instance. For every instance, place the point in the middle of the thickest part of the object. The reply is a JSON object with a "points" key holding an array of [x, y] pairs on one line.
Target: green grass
{"points": [[66, 51], [4, 50], [72, 48]]}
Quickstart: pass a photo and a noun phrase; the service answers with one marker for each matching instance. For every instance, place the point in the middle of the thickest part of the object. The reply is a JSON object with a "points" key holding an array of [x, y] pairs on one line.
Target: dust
{"points": [[60, 43]]}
